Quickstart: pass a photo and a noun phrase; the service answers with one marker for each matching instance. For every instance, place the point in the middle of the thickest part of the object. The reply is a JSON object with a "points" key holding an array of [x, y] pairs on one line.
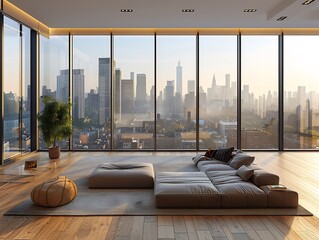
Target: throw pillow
{"points": [[210, 153], [224, 154], [241, 159], [245, 173], [200, 157]]}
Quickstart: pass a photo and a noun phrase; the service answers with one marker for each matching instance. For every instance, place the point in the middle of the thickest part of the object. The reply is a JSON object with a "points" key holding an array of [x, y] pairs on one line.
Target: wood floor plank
{"points": [[165, 221], [179, 224], [200, 223], [165, 231], [181, 236], [204, 235], [100, 228], [190, 227], [150, 231], [112, 229], [137, 228], [215, 227], [124, 226], [30, 231]]}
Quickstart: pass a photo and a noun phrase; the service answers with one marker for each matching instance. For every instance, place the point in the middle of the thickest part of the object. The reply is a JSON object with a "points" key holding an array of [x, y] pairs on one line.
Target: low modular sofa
{"points": [[235, 183]]}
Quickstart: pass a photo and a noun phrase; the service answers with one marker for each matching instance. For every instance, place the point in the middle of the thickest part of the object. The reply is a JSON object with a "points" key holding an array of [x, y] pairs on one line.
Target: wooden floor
{"points": [[298, 171]]}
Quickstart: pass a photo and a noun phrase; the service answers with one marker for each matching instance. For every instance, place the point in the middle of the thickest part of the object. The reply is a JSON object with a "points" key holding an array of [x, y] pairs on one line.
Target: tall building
{"points": [[127, 96], [191, 86], [117, 92], [104, 90], [179, 79], [92, 105], [62, 89], [140, 93], [169, 98], [78, 93], [141, 87]]}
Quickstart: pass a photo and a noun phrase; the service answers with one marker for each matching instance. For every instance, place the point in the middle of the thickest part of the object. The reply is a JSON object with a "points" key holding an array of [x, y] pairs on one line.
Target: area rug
{"points": [[111, 202]]}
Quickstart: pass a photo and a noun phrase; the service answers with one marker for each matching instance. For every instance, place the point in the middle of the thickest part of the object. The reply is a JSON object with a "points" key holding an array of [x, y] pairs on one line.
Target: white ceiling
{"points": [[167, 13]]}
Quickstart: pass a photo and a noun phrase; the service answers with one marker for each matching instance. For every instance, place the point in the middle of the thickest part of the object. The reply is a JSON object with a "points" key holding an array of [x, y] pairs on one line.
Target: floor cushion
{"points": [[54, 192], [122, 175]]}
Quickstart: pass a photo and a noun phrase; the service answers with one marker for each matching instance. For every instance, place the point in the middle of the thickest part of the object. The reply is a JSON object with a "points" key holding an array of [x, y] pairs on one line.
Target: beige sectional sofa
{"points": [[220, 184]]}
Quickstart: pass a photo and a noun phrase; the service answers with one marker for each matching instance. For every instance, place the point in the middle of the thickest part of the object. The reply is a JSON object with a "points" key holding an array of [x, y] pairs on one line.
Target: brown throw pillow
{"points": [[210, 153], [245, 173], [224, 154]]}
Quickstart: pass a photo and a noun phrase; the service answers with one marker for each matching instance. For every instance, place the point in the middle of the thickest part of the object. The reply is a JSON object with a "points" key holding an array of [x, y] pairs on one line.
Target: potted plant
{"points": [[54, 123]]}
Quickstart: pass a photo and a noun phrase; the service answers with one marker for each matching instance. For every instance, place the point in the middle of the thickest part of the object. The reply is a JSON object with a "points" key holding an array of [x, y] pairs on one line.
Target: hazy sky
{"points": [[217, 55]]}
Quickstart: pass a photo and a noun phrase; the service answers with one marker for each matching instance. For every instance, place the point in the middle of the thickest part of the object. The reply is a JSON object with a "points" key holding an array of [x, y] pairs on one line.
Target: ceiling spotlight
{"points": [[250, 10], [188, 10], [282, 18], [307, 2], [126, 10]]}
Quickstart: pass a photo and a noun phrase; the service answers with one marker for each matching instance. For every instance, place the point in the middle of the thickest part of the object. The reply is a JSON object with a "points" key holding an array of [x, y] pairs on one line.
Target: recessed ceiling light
{"points": [[188, 10], [282, 18], [307, 2], [126, 10], [250, 10]]}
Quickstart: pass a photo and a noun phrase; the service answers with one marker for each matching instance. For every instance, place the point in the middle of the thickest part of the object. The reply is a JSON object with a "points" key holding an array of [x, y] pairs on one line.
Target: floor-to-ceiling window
{"points": [[26, 89], [16, 125], [133, 92], [301, 92], [259, 92], [11, 87], [54, 73], [91, 92], [175, 92], [217, 91]]}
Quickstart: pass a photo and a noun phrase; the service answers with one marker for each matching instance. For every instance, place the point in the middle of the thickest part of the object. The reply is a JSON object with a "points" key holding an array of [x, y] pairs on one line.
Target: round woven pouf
{"points": [[54, 192]]}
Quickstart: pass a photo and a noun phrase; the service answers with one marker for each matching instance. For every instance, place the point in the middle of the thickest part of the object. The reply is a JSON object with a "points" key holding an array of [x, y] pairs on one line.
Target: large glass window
{"points": [[26, 89], [301, 96], [176, 95], [133, 87], [54, 73], [259, 92], [11, 88], [217, 91], [91, 92]]}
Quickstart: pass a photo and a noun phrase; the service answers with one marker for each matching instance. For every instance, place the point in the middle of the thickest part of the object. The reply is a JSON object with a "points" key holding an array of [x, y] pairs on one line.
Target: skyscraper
{"points": [[127, 96], [104, 90], [191, 86], [62, 90], [78, 93], [140, 93], [169, 98], [117, 92], [179, 79]]}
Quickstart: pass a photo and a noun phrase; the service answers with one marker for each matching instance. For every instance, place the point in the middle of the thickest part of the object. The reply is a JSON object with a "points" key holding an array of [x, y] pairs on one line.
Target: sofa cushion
{"points": [[262, 178], [215, 167], [224, 154], [185, 190], [281, 199], [241, 159], [242, 195], [245, 173]]}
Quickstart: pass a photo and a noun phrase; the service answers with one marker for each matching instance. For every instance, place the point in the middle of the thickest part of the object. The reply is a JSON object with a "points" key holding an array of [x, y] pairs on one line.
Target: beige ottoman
{"points": [[122, 175], [54, 192], [185, 190]]}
